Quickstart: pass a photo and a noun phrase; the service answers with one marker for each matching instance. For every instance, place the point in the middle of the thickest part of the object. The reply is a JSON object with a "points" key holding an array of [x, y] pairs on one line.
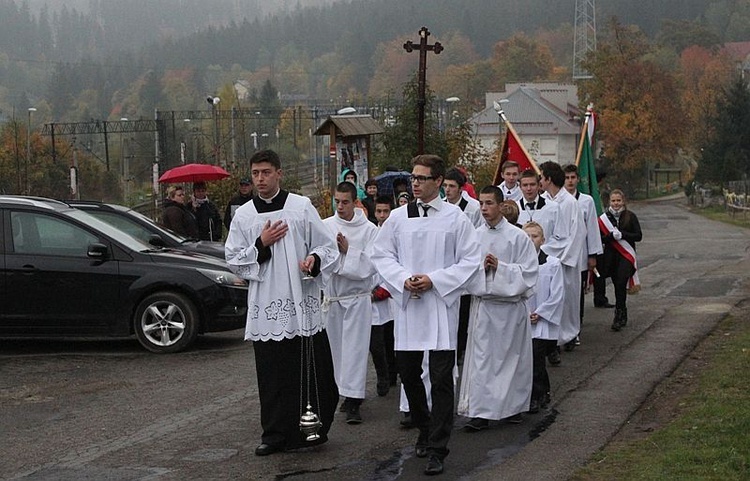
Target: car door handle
{"points": [[28, 269]]}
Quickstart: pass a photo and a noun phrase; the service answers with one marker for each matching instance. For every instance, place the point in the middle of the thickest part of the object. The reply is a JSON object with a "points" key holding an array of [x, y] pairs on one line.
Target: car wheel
{"points": [[166, 322]]}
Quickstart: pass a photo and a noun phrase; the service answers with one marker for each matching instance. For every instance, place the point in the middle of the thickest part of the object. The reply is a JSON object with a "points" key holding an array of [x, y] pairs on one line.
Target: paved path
{"points": [[102, 414]]}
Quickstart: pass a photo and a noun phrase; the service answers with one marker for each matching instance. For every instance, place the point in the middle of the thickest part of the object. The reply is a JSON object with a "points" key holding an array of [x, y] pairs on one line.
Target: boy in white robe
{"points": [[427, 252], [533, 207], [509, 186], [497, 371], [274, 241], [545, 307], [381, 333], [593, 245], [566, 244], [347, 305]]}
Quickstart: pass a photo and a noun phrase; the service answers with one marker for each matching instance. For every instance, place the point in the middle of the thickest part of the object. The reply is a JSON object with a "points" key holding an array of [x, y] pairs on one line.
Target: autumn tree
{"points": [[638, 104], [726, 152], [521, 59], [704, 77]]}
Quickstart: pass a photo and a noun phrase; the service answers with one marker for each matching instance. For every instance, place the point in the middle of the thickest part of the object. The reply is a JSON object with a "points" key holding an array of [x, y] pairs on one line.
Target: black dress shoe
{"points": [[605, 305], [476, 424], [434, 466], [352, 415], [265, 449]]}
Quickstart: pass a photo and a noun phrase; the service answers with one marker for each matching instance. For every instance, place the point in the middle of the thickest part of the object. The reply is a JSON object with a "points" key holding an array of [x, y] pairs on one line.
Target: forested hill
{"points": [[358, 26], [128, 54]]}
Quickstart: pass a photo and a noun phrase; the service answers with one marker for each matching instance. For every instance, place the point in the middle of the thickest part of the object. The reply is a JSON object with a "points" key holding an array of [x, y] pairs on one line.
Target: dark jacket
{"points": [[209, 222], [630, 228], [235, 202], [179, 219]]}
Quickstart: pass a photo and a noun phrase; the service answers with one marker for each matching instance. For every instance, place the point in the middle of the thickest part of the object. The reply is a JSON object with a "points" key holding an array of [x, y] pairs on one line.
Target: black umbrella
{"points": [[386, 180]]}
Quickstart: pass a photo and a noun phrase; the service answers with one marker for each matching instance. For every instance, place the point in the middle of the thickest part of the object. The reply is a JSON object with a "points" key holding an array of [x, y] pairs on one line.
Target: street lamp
{"points": [[214, 102], [28, 147], [451, 113]]}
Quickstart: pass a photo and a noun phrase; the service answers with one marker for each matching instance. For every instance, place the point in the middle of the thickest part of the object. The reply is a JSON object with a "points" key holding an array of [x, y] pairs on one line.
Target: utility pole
{"points": [[585, 36], [421, 100]]}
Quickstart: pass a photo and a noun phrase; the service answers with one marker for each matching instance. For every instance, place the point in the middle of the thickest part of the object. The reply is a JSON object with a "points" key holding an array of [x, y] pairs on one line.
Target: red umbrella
{"points": [[193, 173]]}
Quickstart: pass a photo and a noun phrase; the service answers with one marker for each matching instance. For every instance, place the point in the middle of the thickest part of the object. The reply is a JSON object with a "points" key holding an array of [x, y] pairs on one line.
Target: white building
{"points": [[545, 115]]}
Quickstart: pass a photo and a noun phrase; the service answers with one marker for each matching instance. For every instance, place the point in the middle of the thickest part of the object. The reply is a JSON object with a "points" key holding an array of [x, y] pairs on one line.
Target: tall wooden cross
{"points": [[421, 100]]}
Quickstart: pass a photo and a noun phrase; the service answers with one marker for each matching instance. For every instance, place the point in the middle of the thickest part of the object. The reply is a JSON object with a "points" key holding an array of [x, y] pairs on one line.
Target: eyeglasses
{"points": [[419, 179]]}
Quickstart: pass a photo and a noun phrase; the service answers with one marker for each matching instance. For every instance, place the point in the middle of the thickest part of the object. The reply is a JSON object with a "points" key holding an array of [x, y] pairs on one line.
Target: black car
{"points": [[142, 227], [64, 273]]}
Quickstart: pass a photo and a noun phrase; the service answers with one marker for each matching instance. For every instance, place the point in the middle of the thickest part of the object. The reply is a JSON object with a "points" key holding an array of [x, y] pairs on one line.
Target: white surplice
{"points": [[497, 373], [348, 305], [546, 216], [471, 209], [511, 194], [272, 312], [443, 246], [547, 301], [567, 244], [593, 238]]}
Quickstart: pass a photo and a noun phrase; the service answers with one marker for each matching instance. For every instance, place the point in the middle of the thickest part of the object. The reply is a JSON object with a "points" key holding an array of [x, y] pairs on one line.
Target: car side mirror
{"points": [[97, 250], [157, 241]]}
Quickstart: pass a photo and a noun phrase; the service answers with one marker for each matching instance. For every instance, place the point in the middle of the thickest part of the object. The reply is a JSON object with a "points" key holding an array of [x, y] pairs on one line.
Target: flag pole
{"points": [[584, 131], [498, 106], [518, 139], [510, 130]]}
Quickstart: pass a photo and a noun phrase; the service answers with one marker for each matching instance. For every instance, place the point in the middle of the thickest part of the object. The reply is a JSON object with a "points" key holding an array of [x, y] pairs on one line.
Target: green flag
{"points": [[587, 174]]}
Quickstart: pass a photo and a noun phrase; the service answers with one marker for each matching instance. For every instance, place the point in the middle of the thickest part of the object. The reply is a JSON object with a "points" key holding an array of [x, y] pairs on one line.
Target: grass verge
{"points": [[709, 435], [720, 213]]}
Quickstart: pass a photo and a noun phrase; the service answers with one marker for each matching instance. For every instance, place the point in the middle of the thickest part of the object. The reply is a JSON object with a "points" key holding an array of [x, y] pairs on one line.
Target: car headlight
{"points": [[224, 278]]}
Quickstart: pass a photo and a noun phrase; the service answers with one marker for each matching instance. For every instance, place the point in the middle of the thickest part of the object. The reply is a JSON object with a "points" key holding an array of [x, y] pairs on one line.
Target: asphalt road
{"points": [[108, 410]]}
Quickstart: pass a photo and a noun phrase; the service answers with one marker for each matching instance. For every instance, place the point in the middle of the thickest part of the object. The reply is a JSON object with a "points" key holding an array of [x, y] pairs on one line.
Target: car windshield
{"points": [[109, 230], [176, 237]]}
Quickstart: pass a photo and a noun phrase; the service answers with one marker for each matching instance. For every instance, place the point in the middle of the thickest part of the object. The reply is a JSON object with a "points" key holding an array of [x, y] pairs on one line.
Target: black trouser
{"points": [[378, 353], [621, 272], [584, 281], [464, 309], [600, 284], [439, 422], [277, 365], [390, 353], [540, 384]]}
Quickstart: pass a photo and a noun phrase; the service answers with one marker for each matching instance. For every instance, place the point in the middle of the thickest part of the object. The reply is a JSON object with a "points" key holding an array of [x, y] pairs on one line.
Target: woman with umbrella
{"points": [[177, 217]]}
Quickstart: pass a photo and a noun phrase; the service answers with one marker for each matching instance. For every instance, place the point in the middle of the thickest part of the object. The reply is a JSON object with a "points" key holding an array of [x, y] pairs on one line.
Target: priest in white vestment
{"points": [[567, 243], [274, 242], [497, 371], [426, 252], [347, 303]]}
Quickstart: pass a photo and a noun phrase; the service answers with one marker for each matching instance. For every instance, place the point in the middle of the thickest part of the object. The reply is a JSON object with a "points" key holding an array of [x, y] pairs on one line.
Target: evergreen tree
{"points": [[726, 155], [400, 139]]}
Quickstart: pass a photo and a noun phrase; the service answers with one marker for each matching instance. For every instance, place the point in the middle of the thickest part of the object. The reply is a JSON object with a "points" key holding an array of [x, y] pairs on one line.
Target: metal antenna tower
{"points": [[585, 36]]}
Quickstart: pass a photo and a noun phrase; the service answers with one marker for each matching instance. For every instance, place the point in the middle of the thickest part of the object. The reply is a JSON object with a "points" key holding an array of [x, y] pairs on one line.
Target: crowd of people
{"points": [[492, 284]]}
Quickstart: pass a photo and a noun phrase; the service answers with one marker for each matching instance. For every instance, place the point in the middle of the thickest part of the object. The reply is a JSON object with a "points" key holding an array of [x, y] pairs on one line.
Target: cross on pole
{"points": [[421, 101]]}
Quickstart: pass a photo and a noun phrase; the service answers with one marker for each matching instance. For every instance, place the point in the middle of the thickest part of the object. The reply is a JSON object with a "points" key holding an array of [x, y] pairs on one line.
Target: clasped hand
{"points": [[418, 283]]}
